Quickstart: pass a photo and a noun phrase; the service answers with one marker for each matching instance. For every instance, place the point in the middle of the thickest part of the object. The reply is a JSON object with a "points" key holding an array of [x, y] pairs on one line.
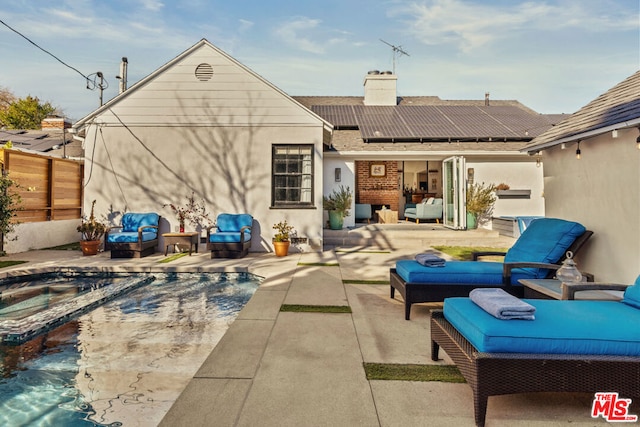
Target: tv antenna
{"points": [[397, 51]]}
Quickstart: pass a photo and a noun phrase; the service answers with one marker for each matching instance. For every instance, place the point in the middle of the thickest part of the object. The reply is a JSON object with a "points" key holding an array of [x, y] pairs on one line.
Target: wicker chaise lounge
{"points": [[538, 252], [571, 346]]}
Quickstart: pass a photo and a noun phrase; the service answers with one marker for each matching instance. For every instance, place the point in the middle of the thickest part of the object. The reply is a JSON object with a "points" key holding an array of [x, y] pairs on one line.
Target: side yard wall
{"points": [[602, 192]]}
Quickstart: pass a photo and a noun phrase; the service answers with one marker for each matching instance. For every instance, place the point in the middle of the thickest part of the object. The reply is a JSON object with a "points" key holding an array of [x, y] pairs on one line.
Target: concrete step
{"points": [[411, 235]]}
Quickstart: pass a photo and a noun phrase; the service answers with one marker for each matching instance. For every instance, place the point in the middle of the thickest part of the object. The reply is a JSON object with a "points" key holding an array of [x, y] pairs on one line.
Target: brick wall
{"points": [[55, 123], [377, 190]]}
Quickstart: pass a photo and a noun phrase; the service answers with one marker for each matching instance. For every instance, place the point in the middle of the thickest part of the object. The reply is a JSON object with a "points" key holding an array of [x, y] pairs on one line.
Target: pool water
{"points": [[124, 362]]}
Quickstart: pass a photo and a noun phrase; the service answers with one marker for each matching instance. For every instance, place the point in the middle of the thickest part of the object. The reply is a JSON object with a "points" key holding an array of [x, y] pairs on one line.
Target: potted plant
{"points": [[92, 231], [480, 201], [193, 212], [282, 239], [338, 204]]}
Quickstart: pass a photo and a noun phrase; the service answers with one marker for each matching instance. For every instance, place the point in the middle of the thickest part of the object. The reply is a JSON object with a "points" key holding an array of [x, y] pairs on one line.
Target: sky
{"points": [[554, 56]]}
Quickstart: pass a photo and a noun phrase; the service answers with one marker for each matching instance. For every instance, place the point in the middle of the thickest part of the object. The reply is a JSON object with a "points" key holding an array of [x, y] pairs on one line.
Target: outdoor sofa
{"points": [[137, 237], [231, 237], [429, 208], [537, 253], [570, 346]]}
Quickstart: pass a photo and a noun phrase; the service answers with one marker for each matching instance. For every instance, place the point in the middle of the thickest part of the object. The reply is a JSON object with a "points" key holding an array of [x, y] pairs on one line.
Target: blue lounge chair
{"points": [[570, 346], [232, 236], [536, 254], [137, 237]]}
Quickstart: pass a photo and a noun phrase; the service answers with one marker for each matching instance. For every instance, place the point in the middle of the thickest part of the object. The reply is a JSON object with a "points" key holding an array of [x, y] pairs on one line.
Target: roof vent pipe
{"points": [[123, 74]]}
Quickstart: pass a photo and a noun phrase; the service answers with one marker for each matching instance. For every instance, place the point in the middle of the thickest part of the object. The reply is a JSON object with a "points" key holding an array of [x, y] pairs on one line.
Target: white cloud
{"points": [[153, 5], [291, 33], [245, 25], [470, 24]]}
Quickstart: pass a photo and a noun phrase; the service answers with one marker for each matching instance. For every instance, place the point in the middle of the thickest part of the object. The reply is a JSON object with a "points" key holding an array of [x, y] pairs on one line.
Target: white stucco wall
{"points": [[39, 235], [519, 174], [347, 179], [229, 168], [602, 192]]}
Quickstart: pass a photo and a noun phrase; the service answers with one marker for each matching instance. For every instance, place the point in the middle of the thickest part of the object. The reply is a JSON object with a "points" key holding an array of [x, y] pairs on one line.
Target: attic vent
{"points": [[204, 72]]}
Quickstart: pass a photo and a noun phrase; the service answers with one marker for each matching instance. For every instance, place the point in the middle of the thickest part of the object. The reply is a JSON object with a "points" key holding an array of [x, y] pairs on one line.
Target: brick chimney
{"points": [[55, 122], [380, 88]]}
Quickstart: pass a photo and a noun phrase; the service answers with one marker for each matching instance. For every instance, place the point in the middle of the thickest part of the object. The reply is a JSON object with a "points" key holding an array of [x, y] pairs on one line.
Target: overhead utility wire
{"points": [[44, 50]]}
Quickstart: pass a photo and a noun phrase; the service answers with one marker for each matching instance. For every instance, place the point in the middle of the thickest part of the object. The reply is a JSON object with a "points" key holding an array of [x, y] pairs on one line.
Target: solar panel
{"points": [[418, 122]]}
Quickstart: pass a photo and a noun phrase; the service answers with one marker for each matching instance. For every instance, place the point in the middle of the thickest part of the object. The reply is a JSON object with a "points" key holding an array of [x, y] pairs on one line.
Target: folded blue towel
{"points": [[430, 260], [501, 304]]}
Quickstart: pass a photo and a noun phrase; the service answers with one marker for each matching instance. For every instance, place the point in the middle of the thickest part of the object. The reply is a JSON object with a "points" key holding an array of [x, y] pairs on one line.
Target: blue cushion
{"points": [[545, 240], [561, 327], [233, 222], [130, 237], [132, 221], [632, 294], [228, 237], [458, 272]]}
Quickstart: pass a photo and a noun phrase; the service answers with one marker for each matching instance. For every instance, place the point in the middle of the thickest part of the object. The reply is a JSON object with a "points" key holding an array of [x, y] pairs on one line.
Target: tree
{"points": [[10, 204], [25, 113], [6, 98]]}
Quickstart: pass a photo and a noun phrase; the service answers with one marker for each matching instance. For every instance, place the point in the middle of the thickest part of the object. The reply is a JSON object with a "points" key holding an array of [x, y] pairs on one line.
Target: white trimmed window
{"points": [[292, 176]]}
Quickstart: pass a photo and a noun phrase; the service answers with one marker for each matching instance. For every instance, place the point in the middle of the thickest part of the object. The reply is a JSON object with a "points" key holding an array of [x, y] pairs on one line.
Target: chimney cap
{"points": [[374, 72]]}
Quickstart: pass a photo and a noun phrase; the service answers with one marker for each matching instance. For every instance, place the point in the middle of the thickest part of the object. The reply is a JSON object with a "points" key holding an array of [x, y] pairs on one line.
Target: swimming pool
{"points": [[126, 361]]}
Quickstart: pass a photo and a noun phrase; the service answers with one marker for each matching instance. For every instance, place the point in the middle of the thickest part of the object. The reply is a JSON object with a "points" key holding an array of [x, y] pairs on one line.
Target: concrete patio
{"points": [[277, 368]]}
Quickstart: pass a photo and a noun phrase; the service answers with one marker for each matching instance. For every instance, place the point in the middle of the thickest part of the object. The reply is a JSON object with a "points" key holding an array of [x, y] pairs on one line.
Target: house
{"points": [[205, 124], [413, 140], [592, 175], [53, 138]]}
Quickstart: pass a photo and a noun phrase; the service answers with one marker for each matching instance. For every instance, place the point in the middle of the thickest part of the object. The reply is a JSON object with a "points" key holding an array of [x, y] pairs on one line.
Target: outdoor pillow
{"points": [[132, 221], [632, 294], [233, 222], [545, 240]]}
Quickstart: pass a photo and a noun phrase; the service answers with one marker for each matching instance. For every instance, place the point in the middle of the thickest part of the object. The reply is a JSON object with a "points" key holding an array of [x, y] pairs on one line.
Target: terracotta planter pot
{"points": [[89, 247], [281, 248]]}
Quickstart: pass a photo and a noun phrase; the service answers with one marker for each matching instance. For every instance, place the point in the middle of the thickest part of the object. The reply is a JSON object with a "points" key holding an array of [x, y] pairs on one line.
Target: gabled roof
{"points": [[618, 108], [80, 124]]}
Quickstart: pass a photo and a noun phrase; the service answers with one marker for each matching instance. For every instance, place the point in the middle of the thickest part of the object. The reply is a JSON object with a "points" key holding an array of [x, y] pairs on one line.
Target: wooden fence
{"points": [[50, 187]]}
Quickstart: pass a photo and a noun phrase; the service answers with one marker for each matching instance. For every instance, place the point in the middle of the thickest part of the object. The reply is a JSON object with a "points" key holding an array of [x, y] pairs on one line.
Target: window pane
{"points": [[292, 174]]}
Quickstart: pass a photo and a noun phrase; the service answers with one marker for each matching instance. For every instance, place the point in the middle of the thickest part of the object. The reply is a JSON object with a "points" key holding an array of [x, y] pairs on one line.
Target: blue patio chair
{"points": [[536, 254], [137, 237], [232, 236]]}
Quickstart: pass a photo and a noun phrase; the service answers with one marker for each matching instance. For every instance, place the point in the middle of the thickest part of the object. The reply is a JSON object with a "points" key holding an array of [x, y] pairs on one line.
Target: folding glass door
{"points": [[454, 193]]}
